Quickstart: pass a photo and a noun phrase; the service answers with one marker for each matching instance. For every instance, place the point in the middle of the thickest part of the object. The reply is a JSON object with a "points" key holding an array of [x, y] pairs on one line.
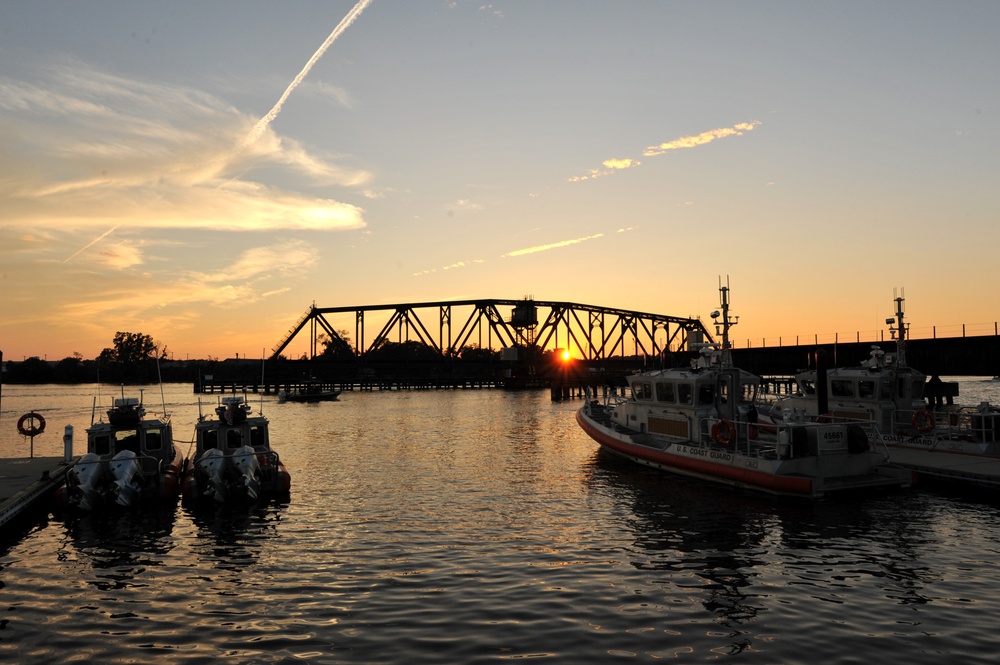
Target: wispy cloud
{"points": [[701, 139], [554, 245], [454, 266], [345, 23], [90, 150], [245, 280], [610, 166]]}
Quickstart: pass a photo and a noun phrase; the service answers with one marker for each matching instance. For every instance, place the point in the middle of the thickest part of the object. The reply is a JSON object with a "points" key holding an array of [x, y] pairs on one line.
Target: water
{"points": [[483, 526]]}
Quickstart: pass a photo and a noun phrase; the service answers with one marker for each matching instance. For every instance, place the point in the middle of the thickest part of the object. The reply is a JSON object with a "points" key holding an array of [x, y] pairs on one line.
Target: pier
{"points": [[27, 484]]}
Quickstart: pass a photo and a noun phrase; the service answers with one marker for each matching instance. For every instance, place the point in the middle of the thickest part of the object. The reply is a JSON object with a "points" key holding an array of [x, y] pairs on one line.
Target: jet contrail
{"points": [[93, 242], [262, 124]]}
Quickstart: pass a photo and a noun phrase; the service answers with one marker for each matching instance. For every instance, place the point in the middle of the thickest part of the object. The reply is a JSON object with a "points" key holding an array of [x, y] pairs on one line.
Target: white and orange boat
{"points": [[702, 421], [901, 409], [130, 459], [233, 459]]}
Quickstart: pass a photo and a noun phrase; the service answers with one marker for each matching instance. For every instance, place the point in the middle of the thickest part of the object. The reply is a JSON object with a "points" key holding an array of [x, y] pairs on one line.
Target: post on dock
{"points": [[68, 443]]}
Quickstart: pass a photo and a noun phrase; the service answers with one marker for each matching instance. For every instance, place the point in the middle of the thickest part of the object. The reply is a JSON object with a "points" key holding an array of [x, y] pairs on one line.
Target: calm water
{"points": [[482, 526]]}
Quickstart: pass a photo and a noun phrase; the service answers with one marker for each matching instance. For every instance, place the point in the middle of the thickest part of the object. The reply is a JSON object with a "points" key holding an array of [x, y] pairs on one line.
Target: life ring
{"points": [[33, 429], [723, 431], [923, 420]]}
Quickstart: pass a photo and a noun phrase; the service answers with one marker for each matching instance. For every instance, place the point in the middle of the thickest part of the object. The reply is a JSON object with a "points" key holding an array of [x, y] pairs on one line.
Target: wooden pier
{"points": [[273, 388], [27, 484], [951, 467]]}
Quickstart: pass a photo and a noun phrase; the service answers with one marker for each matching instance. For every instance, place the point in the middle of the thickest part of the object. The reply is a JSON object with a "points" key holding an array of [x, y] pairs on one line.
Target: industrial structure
{"points": [[587, 331]]}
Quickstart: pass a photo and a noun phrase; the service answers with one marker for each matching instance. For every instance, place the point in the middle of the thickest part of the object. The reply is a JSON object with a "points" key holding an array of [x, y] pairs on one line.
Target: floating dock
{"points": [[26, 483], [979, 470]]}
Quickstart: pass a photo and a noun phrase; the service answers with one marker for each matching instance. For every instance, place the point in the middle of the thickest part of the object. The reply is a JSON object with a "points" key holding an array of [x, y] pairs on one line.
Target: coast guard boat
{"points": [[233, 459], [901, 408], [702, 421], [129, 459]]}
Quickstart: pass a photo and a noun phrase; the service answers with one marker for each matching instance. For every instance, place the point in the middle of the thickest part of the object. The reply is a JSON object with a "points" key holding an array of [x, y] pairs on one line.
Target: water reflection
{"points": [[231, 537], [119, 539], [754, 561]]}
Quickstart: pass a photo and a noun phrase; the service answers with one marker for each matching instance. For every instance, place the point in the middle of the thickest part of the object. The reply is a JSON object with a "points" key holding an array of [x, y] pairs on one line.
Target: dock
{"points": [[26, 483], [979, 470]]}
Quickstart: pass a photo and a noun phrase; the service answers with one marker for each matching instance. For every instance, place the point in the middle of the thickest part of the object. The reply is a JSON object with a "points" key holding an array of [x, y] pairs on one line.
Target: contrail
{"points": [[93, 242], [262, 124]]}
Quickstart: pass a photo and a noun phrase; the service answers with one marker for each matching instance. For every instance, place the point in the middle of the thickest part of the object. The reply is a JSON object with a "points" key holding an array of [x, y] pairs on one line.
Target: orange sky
{"points": [[205, 178]]}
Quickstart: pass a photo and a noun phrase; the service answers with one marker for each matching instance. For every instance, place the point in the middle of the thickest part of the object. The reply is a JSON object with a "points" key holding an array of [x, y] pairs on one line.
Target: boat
{"points": [[130, 459], [310, 391], [914, 416], [233, 460], [702, 421]]}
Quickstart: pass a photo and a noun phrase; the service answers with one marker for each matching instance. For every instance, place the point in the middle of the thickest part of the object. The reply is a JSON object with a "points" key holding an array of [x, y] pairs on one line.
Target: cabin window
{"points": [[642, 391], [866, 389], [684, 393], [258, 437], [234, 438], [841, 388], [749, 392], [665, 392], [127, 440], [807, 387], [154, 439], [706, 393], [723, 393], [886, 392], [102, 444], [210, 439], [918, 387]]}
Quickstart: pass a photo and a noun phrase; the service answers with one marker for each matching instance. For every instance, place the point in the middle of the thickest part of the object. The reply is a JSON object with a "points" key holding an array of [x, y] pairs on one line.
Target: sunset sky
{"points": [[204, 172]]}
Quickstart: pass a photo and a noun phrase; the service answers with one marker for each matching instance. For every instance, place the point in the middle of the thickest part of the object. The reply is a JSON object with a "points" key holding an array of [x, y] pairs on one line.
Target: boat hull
{"points": [[228, 484], [95, 484], [774, 476]]}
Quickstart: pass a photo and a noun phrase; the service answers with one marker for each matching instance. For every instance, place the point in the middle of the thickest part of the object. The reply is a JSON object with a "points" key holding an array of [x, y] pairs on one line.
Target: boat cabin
{"points": [[232, 429], [228, 438], [689, 389], [681, 402]]}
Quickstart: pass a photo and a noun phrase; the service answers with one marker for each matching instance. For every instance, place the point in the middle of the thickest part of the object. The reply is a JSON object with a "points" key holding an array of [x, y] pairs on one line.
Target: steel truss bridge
{"points": [[587, 331]]}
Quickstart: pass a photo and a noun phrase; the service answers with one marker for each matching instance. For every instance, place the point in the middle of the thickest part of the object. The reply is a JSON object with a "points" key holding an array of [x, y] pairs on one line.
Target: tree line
{"points": [[136, 358]]}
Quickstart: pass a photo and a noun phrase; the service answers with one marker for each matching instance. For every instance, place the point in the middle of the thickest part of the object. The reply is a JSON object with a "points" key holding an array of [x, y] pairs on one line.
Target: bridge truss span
{"points": [[587, 331]]}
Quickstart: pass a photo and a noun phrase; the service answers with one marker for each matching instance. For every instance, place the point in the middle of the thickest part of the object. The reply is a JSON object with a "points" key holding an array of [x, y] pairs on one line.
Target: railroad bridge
{"points": [[588, 331]]}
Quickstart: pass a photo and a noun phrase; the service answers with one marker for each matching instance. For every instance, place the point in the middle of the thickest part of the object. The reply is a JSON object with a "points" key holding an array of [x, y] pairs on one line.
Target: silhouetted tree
{"points": [[337, 347], [130, 359]]}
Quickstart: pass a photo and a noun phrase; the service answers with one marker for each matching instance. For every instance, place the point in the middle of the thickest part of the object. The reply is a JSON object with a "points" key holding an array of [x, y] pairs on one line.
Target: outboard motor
{"points": [[87, 479], [212, 465], [248, 471], [127, 474]]}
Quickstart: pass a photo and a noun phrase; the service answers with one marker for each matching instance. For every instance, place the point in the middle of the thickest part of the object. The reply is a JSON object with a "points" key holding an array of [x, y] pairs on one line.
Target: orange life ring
{"points": [[923, 420], [33, 429], [723, 432]]}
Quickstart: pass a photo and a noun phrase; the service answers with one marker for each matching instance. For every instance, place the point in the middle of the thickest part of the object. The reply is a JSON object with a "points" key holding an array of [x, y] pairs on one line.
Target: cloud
{"points": [[701, 139], [92, 150], [453, 266], [554, 245], [610, 166], [144, 295]]}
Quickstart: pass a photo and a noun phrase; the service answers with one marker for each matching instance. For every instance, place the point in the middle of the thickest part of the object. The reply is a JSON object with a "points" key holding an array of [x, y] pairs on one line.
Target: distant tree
{"points": [[475, 353], [31, 370], [71, 370], [405, 352], [337, 347], [129, 359]]}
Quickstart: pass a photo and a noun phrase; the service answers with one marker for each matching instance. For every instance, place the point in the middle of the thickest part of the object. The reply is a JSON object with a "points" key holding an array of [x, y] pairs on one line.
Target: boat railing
{"points": [[979, 424], [762, 440]]}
